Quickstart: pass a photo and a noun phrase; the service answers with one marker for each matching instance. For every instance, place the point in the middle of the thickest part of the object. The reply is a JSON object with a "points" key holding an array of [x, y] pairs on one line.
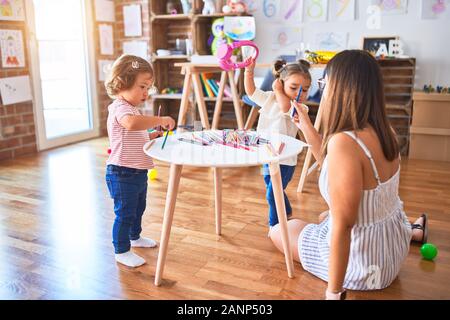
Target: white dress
{"points": [[380, 238]]}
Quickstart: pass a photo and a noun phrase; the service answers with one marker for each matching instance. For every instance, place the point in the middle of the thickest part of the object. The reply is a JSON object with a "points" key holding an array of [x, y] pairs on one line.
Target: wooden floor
{"points": [[55, 234]]}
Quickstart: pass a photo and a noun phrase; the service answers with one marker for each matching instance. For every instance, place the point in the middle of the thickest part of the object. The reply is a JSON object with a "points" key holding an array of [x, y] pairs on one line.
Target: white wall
{"points": [[426, 40]]}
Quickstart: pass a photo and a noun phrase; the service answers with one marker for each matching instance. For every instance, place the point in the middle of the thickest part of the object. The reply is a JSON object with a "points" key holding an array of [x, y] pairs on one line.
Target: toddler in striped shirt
{"points": [[128, 84]]}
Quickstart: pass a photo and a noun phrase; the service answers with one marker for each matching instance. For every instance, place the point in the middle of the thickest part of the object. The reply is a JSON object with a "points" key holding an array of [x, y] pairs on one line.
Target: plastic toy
{"points": [[218, 36], [428, 89], [319, 56], [152, 174], [209, 7], [226, 51], [171, 7], [170, 91], [429, 251], [234, 6]]}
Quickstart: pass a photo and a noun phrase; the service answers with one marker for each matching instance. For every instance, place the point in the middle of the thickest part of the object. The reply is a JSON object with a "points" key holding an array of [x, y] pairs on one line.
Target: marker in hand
{"points": [[294, 111]]}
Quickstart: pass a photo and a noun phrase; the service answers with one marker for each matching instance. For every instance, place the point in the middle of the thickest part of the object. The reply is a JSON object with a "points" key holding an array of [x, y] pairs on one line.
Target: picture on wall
{"points": [[285, 36], [373, 44], [12, 10], [315, 10], [11, 43], [435, 9], [331, 41], [391, 7], [342, 10]]}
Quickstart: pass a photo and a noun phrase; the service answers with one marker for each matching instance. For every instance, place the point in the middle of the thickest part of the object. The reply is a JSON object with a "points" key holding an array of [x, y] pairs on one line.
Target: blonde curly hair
{"points": [[124, 72]]}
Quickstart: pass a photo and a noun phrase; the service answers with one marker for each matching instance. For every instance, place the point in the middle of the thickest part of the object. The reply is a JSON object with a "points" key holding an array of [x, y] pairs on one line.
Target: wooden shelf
{"points": [[171, 16], [174, 57]]}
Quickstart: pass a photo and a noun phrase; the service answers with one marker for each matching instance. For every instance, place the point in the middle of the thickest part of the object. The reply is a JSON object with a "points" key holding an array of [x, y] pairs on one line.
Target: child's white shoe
{"points": [[129, 259], [143, 243]]}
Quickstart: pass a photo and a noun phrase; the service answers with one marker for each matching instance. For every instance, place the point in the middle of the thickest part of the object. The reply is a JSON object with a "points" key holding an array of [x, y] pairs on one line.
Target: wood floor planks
{"points": [[56, 218]]}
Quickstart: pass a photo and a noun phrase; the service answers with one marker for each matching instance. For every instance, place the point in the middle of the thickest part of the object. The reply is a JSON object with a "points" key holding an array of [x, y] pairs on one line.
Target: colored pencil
{"points": [[192, 141], [294, 111], [165, 139], [159, 114]]}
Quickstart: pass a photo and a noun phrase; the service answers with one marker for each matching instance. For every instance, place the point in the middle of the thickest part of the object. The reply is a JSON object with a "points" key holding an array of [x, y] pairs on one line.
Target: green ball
{"points": [[429, 251]]}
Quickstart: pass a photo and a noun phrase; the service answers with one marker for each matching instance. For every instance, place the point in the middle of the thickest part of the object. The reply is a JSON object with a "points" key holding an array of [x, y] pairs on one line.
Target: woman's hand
{"points": [[301, 119]]}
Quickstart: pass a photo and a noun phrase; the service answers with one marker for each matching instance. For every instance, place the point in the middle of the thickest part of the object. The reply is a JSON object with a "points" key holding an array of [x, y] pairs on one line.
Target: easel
{"points": [[307, 170], [192, 73]]}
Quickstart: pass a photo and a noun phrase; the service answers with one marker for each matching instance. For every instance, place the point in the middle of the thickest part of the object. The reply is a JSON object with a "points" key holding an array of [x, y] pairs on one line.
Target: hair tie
{"points": [[135, 65]]}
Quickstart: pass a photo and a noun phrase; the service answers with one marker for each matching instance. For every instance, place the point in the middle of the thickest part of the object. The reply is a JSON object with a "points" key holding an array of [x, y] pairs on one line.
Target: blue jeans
{"points": [[128, 188], [286, 176]]}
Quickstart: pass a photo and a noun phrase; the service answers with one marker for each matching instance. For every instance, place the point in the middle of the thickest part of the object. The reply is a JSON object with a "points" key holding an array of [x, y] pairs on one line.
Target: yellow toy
{"points": [[319, 57], [153, 174]]}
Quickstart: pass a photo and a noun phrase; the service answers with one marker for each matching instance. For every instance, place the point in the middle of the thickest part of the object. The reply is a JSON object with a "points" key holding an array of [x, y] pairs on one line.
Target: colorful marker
{"points": [[294, 111], [165, 139]]}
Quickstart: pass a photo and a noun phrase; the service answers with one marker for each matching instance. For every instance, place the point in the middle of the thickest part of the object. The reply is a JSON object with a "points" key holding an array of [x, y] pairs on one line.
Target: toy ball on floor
{"points": [[429, 251], [109, 150], [153, 174]]}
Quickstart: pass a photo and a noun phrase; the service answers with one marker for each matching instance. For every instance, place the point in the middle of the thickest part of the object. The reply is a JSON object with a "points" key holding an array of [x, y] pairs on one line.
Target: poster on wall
{"points": [[132, 20], [283, 36], [435, 9], [240, 28], [270, 10], [342, 10], [136, 48], [15, 90], [104, 10], [315, 10], [391, 7], [331, 41], [291, 11], [104, 67], [11, 42], [106, 39], [12, 10]]}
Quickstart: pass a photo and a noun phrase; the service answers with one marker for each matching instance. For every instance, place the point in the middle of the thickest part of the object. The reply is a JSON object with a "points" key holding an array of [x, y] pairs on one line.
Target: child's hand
{"points": [[301, 118], [156, 134], [167, 123], [252, 64], [277, 85]]}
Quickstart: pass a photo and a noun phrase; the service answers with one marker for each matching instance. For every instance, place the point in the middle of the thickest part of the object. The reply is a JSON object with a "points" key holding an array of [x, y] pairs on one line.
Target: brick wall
{"points": [[17, 129]]}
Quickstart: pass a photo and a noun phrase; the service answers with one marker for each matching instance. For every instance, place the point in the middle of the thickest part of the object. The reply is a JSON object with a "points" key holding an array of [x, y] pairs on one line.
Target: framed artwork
{"points": [[373, 44]]}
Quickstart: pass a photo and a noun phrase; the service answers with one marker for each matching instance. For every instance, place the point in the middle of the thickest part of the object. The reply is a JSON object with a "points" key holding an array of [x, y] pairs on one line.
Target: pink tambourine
{"points": [[225, 52]]}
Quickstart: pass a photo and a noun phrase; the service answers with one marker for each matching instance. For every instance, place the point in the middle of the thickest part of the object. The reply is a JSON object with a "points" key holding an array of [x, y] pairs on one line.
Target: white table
{"points": [[180, 154]]}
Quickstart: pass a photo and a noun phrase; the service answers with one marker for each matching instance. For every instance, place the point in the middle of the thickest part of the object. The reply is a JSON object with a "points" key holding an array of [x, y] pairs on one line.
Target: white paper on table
{"points": [[136, 48], [15, 89], [132, 20], [104, 67], [12, 10], [106, 39], [104, 10], [11, 42]]}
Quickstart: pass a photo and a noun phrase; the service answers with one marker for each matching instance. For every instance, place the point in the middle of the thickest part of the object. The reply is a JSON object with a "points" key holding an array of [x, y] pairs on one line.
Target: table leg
{"points": [[185, 99], [236, 100], [281, 212], [172, 192], [218, 199], [219, 101], [200, 100]]}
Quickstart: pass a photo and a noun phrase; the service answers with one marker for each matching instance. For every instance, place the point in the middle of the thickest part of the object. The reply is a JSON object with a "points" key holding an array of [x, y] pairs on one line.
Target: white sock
{"points": [[129, 259], [143, 243]]}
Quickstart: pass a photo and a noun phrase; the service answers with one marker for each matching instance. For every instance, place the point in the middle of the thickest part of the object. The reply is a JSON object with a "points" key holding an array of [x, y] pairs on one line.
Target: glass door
{"points": [[62, 66]]}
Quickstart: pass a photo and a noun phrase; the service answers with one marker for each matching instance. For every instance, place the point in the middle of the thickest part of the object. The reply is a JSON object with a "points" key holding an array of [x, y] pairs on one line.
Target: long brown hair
{"points": [[355, 100]]}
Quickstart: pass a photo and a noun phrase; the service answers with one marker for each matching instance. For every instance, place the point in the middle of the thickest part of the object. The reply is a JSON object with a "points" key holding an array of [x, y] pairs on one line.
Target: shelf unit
{"points": [[165, 29], [398, 77]]}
